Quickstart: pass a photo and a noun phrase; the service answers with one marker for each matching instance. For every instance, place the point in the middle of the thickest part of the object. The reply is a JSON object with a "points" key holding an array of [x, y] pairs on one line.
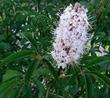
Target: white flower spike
{"points": [[70, 35]]}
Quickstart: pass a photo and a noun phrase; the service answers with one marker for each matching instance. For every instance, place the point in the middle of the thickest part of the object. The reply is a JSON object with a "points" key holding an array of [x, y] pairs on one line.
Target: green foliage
{"points": [[27, 70]]}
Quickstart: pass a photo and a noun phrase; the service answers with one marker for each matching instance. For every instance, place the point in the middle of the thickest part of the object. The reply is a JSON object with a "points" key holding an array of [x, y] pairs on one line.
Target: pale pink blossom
{"points": [[70, 35]]}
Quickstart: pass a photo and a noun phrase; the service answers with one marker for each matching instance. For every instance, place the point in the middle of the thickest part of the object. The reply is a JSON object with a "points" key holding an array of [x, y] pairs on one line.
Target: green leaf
{"points": [[7, 86], [10, 74], [13, 93], [16, 56], [89, 86], [101, 77], [96, 60], [27, 91], [51, 68], [35, 64], [40, 87], [31, 39], [72, 86], [29, 72], [40, 71], [2, 37], [4, 45], [104, 65]]}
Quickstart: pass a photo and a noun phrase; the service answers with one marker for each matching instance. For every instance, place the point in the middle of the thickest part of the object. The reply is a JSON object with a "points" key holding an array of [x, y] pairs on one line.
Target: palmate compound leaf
{"points": [[12, 75]]}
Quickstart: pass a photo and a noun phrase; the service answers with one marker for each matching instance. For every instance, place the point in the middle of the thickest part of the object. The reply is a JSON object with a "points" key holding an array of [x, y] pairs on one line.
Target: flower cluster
{"points": [[70, 35]]}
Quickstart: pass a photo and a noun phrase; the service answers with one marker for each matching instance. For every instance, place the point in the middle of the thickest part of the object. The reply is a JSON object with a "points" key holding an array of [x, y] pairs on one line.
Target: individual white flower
{"points": [[102, 51], [70, 35]]}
